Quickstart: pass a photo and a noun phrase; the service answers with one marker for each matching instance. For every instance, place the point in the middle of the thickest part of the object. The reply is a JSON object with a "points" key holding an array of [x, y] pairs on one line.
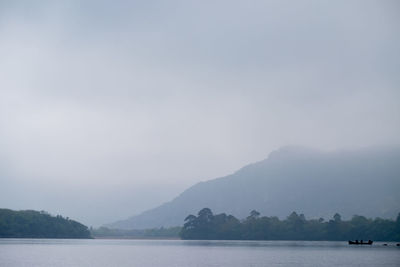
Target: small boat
{"points": [[361, 242]]}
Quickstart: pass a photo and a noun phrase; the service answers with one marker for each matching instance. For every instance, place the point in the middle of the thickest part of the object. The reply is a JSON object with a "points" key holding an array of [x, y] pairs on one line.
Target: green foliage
{"points": [[35, 224], [209, 226], [226, 227]]}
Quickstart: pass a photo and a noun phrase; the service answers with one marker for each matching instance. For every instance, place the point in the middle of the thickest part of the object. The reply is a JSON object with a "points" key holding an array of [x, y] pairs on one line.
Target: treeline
{"points": [[208, 226], [35, 224], [156, 233]]}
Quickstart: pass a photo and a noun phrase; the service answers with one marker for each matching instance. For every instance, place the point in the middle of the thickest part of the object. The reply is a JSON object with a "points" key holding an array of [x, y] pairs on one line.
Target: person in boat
{"points": [[356, 241]]}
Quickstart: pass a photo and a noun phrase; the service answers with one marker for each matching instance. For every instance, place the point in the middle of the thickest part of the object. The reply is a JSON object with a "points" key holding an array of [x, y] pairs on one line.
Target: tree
{"points": [[205, 215], [337, 218], [254, 214], [296, 227], [190, 221]]}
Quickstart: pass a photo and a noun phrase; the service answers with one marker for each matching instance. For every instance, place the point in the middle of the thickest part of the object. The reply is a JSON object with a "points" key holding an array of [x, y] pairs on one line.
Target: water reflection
{"points": [[179, 253]]}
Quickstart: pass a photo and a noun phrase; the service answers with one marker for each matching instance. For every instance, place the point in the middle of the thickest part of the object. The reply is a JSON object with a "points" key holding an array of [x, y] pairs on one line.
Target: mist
{"points": [[111, 108]]}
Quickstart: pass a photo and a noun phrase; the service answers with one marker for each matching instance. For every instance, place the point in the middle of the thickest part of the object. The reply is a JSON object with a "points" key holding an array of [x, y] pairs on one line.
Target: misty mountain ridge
{"points": [[316, 183]]}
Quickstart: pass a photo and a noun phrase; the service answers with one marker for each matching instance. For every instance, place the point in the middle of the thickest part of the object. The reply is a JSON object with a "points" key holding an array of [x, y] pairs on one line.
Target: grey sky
{"points": [[107, 108]]}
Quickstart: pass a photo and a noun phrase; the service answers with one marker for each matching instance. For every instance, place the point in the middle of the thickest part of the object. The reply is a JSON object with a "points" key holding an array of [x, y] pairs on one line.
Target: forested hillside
{"points": [[35, 224]]}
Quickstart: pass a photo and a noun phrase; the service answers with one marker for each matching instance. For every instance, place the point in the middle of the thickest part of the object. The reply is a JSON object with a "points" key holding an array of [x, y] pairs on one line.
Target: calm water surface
{"points": [[178, 253]]}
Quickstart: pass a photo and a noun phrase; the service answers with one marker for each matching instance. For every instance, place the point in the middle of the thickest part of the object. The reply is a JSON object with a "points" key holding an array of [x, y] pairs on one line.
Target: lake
{"points": [[179, 253]]}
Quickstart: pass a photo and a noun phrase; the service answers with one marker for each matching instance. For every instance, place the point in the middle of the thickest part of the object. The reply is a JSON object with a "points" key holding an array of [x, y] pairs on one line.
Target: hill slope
{"points": [[318, 184], [35, 224]]}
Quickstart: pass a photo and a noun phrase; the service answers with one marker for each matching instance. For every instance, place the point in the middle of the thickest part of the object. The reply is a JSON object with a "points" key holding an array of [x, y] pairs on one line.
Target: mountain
{"points": [[35, 224], [316, 183]]}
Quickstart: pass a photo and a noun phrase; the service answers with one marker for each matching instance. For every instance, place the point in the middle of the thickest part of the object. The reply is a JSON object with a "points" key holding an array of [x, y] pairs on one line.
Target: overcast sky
{"points": [[108, 108]]}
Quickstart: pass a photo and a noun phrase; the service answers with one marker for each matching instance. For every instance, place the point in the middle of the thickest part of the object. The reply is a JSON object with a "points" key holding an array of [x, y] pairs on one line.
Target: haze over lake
{"points": [[111, 108], [195, 120]]}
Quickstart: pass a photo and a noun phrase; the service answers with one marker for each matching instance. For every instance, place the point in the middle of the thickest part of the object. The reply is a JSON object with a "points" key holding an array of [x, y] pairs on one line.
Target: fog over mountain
{"points": [[109, 108], [318, 184]]}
